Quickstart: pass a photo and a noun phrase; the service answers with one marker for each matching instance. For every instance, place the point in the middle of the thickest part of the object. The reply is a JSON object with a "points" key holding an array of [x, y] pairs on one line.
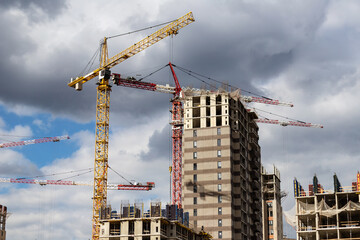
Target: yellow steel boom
{"points": [[171, 28], [103, 104]]}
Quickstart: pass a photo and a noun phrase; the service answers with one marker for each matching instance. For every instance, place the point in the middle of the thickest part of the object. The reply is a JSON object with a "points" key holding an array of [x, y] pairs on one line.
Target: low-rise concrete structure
{"points": [[328, 214], [156, 224]]}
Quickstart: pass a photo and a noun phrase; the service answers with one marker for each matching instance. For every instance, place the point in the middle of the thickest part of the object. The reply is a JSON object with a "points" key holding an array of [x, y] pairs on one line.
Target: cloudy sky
{"points": [[300, 51]]}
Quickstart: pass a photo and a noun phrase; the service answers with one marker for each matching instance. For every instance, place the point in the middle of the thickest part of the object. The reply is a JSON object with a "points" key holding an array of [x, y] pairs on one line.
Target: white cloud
{"points": [[15, 164], [53, 211], [16, 131]]}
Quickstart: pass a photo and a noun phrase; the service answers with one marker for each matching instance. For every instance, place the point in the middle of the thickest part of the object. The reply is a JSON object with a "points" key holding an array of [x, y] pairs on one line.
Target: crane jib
{"points": [[170, 29]]}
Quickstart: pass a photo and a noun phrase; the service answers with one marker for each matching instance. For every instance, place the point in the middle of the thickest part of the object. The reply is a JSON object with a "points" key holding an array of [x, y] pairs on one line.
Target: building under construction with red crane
{"points": [[215, 160], [215, 172]]}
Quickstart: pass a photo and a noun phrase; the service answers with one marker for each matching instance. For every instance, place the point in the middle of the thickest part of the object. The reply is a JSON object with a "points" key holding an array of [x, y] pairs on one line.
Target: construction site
{"points": [[219, 188], [327, 214]]}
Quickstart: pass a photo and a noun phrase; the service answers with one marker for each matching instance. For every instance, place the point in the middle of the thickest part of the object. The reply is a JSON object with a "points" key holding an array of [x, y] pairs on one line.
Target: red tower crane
{"points": [[111, 186], [283, 123], [177, 122], [34, 141], [288, 123]]}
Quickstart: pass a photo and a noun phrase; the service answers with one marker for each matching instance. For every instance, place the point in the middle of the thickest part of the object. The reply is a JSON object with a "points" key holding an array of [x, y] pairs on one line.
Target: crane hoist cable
{"points": [[61, 173], [92, 59], [257, 109], [189, 72], [139, 30], [153, 72], [90, 63], [77, 175], [120, 175]]}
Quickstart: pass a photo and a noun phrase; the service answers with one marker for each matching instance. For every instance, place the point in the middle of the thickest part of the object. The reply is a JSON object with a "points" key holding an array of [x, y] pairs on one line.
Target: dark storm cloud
{"points": [[50, 8], [159, 145], [209, 46]]}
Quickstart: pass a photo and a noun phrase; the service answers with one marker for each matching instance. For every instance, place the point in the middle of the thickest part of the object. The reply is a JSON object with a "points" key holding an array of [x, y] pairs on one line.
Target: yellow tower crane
{"points": [[103, 103]]}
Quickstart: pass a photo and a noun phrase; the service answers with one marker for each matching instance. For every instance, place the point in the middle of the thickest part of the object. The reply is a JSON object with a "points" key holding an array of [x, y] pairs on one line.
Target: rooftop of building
{"points": [[316, 188]]}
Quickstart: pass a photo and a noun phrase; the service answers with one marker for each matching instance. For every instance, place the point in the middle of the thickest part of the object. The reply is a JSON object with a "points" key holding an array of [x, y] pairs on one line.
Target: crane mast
{"points": [[103, 104], [177, 132]]}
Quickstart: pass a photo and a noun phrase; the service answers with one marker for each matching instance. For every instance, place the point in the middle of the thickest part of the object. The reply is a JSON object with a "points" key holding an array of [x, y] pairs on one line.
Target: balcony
{"points": [[255, 175], [254, 143], [255, 185], [254, 164], [253, 133]]}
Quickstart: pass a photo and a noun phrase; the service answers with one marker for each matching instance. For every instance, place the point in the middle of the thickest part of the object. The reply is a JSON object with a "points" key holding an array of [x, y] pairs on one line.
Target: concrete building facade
{"points": [[328, 214], [221, 166], [271, 201]]}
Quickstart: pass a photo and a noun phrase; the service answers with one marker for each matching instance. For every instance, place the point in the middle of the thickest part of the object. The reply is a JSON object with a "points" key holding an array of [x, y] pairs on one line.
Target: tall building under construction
{"points": [[221, 165], [3, 216], [327, 214], [271, 201]]}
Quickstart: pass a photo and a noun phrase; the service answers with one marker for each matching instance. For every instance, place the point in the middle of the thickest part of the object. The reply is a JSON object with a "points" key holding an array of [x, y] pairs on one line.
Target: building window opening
{"points": [[195, 212], [219, 153], [195, 188], [218, 131], [219, 164], [196, 112], [195, 166], [218, 121], [146, 227], [131, 227], [195, 200], [219, 199], [194, 155], [219, 187], [219, 222], [195, 133], [220, 234], [219, 211], [208, 111], [219, 142], [196, 101], [196, 123], [195, 144], [195, 178], [218, 99], [218, 110], [208, 100], [219, 176], [208, 122]]}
